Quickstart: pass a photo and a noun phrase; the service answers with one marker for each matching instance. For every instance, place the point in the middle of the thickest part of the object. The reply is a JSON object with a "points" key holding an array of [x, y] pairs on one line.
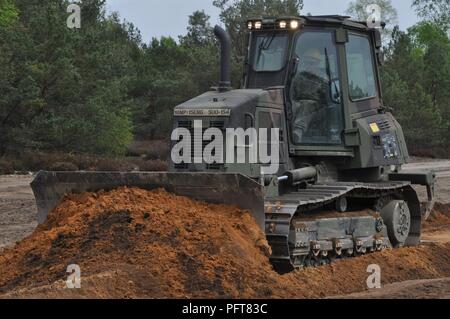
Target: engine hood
{"points": [[230, 101]]}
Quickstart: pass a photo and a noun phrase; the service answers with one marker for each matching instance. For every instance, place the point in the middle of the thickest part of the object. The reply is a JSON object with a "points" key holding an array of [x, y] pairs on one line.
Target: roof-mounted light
{"points": [[294, 24]]}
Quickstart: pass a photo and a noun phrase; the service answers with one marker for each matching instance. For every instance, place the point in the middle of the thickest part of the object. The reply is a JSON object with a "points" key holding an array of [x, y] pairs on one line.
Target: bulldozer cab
{"points": [[328, 66]]}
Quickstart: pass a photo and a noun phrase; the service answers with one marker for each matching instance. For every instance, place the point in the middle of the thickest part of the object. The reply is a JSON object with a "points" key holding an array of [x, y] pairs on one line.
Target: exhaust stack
{"points": [[225, 58]]}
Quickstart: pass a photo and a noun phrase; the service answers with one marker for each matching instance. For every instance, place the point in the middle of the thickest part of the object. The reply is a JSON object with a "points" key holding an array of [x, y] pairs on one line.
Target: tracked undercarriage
{"points": [[300, 236]]}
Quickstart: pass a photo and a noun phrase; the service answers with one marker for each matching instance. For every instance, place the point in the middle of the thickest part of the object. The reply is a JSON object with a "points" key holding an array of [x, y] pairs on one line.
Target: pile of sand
{"points": [[151, 244]]}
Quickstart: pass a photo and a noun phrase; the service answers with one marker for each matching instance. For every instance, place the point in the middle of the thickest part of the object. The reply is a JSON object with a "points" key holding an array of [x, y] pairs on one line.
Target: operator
{"points": [[308, 93]]}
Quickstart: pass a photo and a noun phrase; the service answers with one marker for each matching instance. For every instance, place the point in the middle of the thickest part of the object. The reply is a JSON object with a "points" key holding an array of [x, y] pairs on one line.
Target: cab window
{"points": [[315, 91], [270, 54], [360, 68]]}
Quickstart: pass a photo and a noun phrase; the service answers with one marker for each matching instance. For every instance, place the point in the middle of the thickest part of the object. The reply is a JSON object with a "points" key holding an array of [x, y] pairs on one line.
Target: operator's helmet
{"points": [[312, 57]]}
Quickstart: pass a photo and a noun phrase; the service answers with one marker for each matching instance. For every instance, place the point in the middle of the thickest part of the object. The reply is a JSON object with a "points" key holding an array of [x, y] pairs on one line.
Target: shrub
{"points": [[157, 150], [139, 148], [63, 167], [70, 162], [150, 149], [6, 167], [153, 166], [115, 165]]}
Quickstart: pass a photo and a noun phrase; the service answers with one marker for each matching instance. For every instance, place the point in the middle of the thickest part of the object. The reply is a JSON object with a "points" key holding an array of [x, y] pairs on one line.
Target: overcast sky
{"points": [[156, 18]]}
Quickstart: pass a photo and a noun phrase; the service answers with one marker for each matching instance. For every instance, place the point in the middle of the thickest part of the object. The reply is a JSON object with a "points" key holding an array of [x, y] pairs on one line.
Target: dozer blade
{"points": [[232, 189]]}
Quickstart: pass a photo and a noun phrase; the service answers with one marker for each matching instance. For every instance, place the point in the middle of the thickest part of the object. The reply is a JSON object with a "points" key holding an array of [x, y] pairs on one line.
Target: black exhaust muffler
{"points": [[225, 58]]}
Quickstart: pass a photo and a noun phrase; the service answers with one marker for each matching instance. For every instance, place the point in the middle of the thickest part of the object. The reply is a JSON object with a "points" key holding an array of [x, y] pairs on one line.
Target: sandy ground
{"points": [[18, 214], [17, 209], [423, 289]]}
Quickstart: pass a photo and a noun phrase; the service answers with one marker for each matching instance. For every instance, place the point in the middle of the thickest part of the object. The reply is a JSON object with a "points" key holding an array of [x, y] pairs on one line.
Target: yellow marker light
{"points": [[283, 24], [294, 24], [258, 25], [250, 25], [375, 128]]}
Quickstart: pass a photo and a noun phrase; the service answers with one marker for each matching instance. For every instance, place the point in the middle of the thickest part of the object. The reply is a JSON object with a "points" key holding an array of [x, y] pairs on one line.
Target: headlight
{"points": [[283, 24], [258, 25], [250, 25]]}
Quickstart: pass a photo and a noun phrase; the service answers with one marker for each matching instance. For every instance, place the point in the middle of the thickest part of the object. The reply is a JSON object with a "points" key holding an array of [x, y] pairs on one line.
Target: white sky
{"points": [[156, 18]]}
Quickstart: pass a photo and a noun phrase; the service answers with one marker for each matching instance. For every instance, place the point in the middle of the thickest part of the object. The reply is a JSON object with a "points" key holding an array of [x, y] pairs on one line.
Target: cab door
{"points": [[315, 91]]}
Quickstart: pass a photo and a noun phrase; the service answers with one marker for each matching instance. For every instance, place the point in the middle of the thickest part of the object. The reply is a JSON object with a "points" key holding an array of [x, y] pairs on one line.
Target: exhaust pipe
{"points": [[225, 58]]}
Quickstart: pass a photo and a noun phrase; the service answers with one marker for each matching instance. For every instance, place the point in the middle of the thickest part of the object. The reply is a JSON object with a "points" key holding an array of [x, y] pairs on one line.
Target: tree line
{"points": [[93, 90]]}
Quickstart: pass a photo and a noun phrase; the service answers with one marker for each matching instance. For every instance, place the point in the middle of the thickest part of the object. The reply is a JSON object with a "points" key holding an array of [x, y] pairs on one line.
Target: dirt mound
{"points": [[178, 247], [132, 243]]}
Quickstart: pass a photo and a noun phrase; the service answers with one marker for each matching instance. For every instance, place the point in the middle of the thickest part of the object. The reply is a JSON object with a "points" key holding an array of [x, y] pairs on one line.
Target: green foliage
{"points": [[433, 51], [436, 11], [92, 90], [200, 32], [170, 73], [410, 104], [8, 13], [416, 84], [66, 89]]}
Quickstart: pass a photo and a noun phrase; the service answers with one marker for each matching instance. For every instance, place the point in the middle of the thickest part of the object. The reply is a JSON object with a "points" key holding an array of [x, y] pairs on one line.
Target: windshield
{"points": [[270, 52]]}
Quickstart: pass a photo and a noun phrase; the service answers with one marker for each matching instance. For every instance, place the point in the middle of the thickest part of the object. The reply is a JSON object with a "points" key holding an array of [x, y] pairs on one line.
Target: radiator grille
{"points": [[384, 125], [187, 124]]}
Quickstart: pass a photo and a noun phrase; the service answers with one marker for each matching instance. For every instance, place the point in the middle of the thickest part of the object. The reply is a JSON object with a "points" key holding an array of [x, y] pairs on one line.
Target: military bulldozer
{"points": [[339, 189]]}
